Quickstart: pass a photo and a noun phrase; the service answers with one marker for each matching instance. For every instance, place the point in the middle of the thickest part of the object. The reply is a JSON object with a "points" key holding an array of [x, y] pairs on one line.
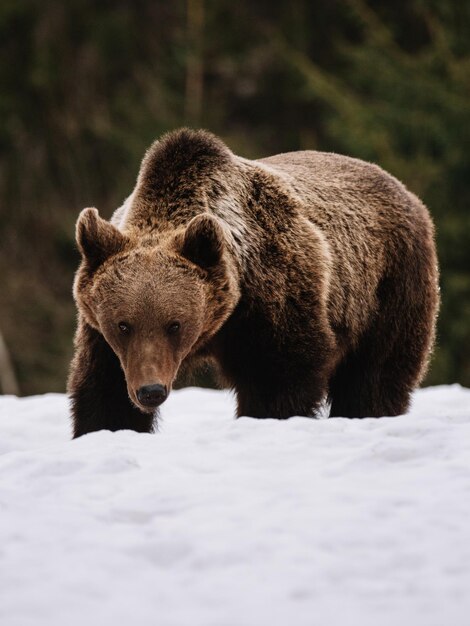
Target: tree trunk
{"points": [[8, 382], [194, 63]]}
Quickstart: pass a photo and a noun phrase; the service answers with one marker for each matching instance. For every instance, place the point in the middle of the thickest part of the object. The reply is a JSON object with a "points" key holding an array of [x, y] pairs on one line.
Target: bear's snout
{"points": [[152, 395]]}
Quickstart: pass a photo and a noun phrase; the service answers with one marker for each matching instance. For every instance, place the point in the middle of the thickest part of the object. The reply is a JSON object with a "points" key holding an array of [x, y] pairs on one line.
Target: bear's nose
{"points": [[152, 395]]}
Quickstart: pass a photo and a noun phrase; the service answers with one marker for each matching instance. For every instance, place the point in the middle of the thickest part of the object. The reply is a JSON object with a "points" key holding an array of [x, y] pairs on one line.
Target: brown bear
{"points": [[307, 278]]}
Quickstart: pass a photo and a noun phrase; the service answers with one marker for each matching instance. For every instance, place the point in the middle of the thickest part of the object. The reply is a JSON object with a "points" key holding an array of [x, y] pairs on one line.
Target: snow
{"points": [[221, 522]]}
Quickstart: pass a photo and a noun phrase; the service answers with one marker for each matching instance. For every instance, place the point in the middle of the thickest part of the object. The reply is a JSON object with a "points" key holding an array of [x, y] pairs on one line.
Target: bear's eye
{"points": [[124, 327], [173, 328]]}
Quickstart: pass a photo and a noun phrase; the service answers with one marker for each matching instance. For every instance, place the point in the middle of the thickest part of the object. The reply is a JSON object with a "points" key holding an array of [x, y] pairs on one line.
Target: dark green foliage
{"points": [[85, 86]]}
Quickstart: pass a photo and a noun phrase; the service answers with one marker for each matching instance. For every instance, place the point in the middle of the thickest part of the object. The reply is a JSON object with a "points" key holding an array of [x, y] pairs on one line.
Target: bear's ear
{"points": [[203, 241], [97, 239]]}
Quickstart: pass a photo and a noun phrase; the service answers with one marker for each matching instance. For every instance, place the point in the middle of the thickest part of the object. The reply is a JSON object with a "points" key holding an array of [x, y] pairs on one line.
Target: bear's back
{"points": [[367, 216], [360, 208], [341, 183]]}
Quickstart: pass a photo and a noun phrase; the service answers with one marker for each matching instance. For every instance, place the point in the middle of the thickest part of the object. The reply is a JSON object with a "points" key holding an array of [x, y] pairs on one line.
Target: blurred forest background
{"points": [[86, 86]]}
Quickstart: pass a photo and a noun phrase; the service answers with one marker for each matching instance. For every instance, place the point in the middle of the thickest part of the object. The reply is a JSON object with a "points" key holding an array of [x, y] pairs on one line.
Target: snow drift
{"points": [[223, 522]]}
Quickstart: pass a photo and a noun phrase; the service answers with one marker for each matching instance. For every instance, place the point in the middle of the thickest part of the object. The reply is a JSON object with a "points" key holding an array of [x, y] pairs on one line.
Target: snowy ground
{"points": [[217, 522]]}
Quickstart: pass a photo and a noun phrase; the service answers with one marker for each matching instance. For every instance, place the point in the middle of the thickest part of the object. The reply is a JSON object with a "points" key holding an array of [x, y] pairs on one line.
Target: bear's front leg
{"points": [[97, 388], [260, 399]]}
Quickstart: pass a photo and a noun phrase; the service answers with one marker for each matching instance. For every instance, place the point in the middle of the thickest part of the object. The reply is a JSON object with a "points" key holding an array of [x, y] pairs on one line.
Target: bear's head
{"points": [[155, 301]]}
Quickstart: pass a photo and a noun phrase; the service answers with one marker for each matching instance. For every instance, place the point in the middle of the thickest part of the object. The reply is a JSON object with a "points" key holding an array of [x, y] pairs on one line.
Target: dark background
{"points": [[86, 86]]}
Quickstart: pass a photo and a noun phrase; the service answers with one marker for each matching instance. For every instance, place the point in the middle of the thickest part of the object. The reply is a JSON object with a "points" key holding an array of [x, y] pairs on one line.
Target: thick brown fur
{"points": [[304, 277]]}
